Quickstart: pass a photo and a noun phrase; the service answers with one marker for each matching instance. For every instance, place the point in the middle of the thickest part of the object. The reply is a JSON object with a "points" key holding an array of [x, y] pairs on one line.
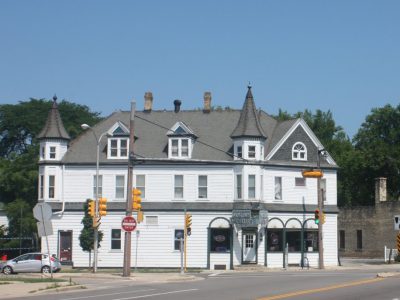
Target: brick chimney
{"points": [[148, 101], [380, 190], [177, 105], [207, 102]]}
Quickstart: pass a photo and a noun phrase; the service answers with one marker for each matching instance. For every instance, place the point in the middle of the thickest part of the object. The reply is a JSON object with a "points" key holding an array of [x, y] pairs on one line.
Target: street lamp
{"points": [[96, 230]]}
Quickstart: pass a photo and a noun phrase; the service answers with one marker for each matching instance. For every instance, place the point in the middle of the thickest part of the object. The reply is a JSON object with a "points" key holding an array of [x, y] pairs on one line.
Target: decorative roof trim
{"points": [[185, 127], [54, 127], [117, 124]]}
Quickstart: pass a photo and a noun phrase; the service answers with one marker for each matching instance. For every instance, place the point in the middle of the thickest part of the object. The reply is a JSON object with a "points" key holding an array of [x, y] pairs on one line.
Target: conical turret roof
{"points": [[54, 127], [249, 123]]}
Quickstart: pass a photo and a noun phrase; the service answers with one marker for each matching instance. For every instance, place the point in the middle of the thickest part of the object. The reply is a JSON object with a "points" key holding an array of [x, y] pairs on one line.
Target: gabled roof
{"points": [[249, 123], [54, 127], [180, 129]]}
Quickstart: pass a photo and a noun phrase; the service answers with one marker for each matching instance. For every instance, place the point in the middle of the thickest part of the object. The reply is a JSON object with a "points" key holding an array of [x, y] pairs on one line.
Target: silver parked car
{"points": [[31, 262]]}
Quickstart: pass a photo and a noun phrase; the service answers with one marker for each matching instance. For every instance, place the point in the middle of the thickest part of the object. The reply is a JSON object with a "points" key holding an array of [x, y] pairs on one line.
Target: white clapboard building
{"points": [[237, 172]]}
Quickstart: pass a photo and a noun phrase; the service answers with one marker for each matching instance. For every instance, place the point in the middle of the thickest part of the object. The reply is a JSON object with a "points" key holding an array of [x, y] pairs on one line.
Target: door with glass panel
{"points": [[249, 247]]}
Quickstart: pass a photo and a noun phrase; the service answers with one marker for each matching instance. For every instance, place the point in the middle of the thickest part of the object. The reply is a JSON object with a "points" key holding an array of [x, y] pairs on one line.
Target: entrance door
{"points": [[65, 246], [249, 247]]}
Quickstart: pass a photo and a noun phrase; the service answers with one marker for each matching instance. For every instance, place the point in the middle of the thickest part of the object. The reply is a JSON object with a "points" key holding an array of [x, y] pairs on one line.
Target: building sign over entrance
{"points": [[244, 217]]}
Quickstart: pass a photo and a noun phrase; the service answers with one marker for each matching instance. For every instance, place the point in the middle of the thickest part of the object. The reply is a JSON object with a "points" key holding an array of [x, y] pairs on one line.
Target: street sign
{"points": [[397, 222], [45, 228], [42, 211], [128, 223]]}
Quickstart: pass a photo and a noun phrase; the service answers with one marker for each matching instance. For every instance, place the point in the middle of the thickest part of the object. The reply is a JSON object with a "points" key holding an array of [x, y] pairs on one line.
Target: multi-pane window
{"points": [[141, 185], [252, 152], [41, 186], [300, 181], [52, 180], [323, 189], [342, 239], [43, 152], [252, 187], [120, 186], [299, 151], [278, 188], [203, 186], [178, 187], [179, 148], [239, 151], [249, 241], [359, 240], [178, 236], [52, 152], [100, 186], [118, 148], [239, 186], [115, 239]]}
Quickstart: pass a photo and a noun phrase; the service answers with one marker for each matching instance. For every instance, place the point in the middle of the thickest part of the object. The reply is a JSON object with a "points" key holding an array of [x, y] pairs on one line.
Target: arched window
{"points": [[299, 151]]}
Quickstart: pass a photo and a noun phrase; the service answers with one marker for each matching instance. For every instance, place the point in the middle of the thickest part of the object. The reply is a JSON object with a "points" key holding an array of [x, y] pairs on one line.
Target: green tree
{"points": [[86, 238]]}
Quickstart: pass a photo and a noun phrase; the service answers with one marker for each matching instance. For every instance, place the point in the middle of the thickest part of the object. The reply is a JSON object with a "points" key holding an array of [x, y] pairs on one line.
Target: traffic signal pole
{"points": [[128, 238]]}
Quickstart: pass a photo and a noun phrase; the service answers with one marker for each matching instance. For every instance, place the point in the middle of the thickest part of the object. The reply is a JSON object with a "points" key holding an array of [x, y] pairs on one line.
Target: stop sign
{"points": [[128, 223]]}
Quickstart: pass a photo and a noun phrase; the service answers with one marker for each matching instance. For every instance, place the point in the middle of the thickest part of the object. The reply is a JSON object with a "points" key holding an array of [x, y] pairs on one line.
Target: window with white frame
{"points": [[41, 186], [252, 152], [115, 239], [178, 187], [120, 186], [43, 153], [151, 220], [299, 151], [239, 186], [202, 185], [179, 148], [252, 187], [52, 182], [118, 147], [141, 185], [278, 188], [178, 236], [100, 186], [52, 152], [239, 151], [323, 188]]}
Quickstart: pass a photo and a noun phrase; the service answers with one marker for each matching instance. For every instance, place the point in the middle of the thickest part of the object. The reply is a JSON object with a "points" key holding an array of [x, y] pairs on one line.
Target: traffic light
{"points": [[136, 199], [91, 208], [188, 224], [316, 216], [102, 207], [323, 218]]}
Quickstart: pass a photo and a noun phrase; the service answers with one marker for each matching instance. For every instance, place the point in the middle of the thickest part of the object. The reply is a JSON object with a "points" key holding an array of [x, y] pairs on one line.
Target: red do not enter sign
{"points": [[128, 223]]}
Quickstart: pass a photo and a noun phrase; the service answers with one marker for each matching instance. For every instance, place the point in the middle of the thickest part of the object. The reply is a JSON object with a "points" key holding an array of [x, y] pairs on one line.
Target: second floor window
{"points": [[141, 185], [119, 186], [299, 151], [52, 181], [252, 187], [178, 190], [203, 186], [300, 181], [323, 189], [239, 151], [118, 148], [41, 186], [100, 186], [239, 186], [52, 152], [179, 148], [252, 152], [278, 188]]}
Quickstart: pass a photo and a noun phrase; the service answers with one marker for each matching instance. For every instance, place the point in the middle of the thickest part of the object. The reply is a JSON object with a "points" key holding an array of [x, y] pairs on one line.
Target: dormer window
{"points": [[52, 153], [239, 151], [118, 141], [252, 152], [180, 141], [299, 151]]}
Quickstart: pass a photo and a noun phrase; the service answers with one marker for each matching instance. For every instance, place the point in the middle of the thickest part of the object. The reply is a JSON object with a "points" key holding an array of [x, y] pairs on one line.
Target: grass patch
{"points": [[4, 282]]}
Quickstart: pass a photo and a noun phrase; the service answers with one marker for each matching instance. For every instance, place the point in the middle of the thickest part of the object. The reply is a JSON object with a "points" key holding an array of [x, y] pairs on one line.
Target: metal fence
{"points": [[12, 247], [390, 254]]}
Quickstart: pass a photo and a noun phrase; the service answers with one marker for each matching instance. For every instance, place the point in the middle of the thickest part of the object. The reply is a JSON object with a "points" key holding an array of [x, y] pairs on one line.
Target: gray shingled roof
{"points": [[249, 124], [54, 127]]}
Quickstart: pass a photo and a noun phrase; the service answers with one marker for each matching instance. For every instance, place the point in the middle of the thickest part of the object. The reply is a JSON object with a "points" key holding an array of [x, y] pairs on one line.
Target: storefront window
{"points": [[293, 239], [275, 240], [311, 241], [220, 239]]}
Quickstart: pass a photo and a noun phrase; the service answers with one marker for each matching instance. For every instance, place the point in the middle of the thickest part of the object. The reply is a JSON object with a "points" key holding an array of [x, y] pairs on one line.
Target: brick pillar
{"points": [[380, 190]]}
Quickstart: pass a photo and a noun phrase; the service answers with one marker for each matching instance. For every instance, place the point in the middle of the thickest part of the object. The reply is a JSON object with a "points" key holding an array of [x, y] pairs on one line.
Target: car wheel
{"points": [[7, 270], [46, 270]]}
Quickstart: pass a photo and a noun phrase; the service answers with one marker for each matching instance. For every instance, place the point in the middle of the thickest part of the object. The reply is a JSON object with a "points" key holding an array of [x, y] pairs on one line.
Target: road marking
{"points": [[94, 296], [327, 288], [157, 294]]}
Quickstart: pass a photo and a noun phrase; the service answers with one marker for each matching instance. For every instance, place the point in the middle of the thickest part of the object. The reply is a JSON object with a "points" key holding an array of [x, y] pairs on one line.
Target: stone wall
{"points": [[377, 226]]}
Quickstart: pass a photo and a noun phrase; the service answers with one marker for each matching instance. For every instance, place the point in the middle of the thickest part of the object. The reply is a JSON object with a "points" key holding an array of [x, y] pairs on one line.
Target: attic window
{"points": [[299, 151], [118, 148], [179, 147]]}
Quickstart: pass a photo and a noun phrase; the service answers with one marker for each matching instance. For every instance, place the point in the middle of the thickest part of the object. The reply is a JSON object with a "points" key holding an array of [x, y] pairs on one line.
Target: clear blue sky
{"points": [[342, 56]]}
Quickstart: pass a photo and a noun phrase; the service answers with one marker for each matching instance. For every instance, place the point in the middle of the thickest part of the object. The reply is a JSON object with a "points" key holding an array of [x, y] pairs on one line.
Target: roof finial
{"points": [[249, 85], [55, 98]]}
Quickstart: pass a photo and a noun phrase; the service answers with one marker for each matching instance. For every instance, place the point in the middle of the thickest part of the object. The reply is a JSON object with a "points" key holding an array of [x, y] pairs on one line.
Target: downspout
{"points": [[61, 212]]}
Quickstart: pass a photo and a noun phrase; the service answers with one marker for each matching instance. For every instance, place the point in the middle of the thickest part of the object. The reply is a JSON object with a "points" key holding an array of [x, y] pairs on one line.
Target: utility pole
{"points": [[320, 208], [128, 238]]}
